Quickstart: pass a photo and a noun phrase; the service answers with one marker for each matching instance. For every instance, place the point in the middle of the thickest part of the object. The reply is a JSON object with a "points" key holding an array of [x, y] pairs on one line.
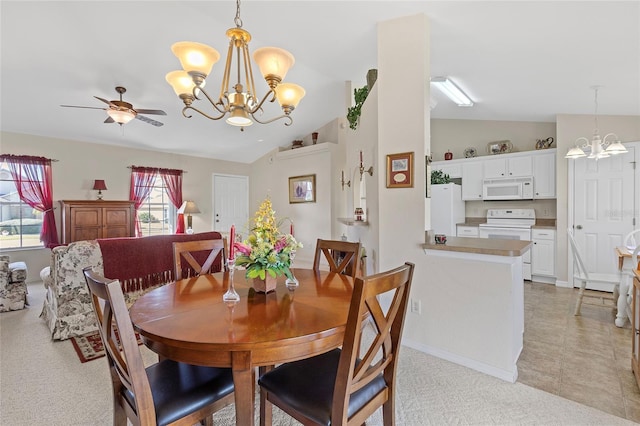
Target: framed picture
{"points": [[302, 189], [400, 170]]}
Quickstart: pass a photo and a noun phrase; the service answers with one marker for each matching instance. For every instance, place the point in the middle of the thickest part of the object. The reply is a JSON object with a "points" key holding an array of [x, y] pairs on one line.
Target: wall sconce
{"points": [[189, 207], [343, 183], [362, 170], [100, 186]]}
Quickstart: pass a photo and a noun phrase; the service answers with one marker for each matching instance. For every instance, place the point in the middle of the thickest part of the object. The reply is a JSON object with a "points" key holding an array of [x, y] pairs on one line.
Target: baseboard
{"points": [[507, 376]]}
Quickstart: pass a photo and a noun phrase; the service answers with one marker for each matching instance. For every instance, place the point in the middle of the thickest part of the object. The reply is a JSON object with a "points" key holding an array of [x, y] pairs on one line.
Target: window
{"points": [[157, 215], [20, 224]]}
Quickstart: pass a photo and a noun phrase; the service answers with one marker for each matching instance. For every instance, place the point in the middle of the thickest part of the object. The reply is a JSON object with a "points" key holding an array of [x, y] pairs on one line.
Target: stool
{"points": [[13, 285]]}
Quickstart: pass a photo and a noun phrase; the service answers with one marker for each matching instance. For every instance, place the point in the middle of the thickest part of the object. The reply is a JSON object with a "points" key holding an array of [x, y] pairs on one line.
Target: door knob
{"points": [[578, 226]]}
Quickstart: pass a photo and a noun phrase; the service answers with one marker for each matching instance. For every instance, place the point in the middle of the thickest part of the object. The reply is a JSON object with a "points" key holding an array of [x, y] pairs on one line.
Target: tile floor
{"points": [[583, 358]]}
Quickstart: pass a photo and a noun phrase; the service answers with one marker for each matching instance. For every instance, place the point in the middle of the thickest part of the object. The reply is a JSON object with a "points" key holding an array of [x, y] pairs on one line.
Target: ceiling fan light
{"points": [[121, 116], [289, 95], [195, 57], [273, 62]]}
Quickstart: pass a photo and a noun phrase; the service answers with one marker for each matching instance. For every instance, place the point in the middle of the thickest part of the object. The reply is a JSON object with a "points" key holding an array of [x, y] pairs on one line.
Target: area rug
{"points": [[89, 346]]}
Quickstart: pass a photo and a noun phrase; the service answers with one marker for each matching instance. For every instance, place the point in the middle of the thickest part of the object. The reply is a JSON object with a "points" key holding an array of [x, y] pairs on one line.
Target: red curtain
{"points": [[142, 179], [32, 176], [172, 179]]}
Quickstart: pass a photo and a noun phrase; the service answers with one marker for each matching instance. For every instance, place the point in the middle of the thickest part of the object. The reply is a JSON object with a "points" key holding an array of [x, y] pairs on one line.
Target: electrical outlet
{"points": [[545, 212], [416, 306]]}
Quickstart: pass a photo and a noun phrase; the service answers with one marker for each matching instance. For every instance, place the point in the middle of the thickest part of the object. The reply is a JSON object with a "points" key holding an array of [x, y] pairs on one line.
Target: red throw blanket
{"points": [[140, 263]]}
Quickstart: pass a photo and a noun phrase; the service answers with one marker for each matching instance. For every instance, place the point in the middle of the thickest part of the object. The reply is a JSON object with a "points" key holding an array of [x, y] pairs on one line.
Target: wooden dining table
{"points": [[188, 321]]}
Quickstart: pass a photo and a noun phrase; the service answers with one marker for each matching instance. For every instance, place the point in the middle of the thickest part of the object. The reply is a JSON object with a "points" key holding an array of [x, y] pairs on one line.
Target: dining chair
{"points": [[165, 393], [345, 386], [343, 256], [189, 257], [595, 298]]}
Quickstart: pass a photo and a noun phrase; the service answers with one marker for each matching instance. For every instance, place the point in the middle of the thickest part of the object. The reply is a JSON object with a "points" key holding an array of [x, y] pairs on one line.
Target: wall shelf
{"points": [[352, 222]]}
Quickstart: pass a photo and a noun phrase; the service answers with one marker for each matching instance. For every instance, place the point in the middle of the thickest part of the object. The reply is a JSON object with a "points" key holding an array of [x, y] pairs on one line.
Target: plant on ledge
{"points": [[353, 113], [438, 177], [266, 250]]}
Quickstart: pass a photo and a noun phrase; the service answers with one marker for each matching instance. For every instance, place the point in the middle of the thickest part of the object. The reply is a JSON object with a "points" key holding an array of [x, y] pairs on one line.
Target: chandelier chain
{"points": [[237, 19], [596, 105]]}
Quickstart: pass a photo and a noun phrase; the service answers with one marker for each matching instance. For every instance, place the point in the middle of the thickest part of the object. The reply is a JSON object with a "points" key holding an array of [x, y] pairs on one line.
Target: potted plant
{"points": [[438, 177], [353, 113]]}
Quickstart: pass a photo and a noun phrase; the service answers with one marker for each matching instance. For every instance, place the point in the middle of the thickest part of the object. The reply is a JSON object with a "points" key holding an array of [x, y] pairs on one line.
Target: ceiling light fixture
{"points": [[121, 115], [598, 147], [239, 101], [454, 93]]}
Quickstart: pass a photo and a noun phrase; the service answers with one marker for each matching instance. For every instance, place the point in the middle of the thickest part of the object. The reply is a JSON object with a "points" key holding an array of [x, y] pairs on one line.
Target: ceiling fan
{"points": [[122, 112]]}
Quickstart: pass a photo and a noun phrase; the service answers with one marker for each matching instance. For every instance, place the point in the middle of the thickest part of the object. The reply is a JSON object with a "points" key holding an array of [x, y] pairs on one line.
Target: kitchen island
{"points": [[475, 303]]}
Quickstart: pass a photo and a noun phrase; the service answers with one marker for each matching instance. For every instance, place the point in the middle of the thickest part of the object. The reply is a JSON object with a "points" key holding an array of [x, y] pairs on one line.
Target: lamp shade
{"points": [[181, 82], [273, 61], [289, 95], [99, 185], [195, 57], [190, 207]]}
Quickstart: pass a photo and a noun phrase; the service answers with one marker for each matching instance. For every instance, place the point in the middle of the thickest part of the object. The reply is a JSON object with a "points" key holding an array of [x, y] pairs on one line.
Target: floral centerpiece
{"points": [[266, 252]]}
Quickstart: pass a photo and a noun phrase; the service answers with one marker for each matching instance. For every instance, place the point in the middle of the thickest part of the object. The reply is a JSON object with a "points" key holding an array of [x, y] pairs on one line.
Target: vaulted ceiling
{"points": [[518, 60]]}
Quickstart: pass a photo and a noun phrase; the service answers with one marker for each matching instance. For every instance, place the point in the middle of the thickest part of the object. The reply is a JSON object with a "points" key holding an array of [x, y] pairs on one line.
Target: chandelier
{"points": [[238, 99], [597, 147]]}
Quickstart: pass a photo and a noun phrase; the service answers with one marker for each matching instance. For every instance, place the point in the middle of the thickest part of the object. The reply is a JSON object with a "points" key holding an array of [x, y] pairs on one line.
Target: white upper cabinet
{"points": [[508, 167], [544, 175], [472, 180], [454, 170]]}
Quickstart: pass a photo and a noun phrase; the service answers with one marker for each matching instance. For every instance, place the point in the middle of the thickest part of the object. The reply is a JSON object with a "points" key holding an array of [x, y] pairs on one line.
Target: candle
{"points": [[291, 229], [232, 239]]}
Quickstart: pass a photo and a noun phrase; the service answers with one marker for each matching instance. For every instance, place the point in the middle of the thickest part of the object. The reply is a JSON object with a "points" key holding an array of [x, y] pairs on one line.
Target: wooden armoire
{"points": [[92, 219]]}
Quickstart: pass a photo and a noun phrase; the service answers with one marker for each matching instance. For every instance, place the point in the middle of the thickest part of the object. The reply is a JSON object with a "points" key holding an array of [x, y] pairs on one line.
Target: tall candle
{"points": [[291, 229], [232, 239]]}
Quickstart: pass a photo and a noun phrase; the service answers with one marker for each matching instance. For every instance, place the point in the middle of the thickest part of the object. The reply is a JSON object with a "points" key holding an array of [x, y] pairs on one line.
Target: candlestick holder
{"points": [[292, 282], [343, 182], [363, 171], [231, 295]]}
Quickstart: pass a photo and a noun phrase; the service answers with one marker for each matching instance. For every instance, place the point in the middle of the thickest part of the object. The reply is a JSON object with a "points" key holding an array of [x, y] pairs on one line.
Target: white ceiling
{"points": [[518, 60]]}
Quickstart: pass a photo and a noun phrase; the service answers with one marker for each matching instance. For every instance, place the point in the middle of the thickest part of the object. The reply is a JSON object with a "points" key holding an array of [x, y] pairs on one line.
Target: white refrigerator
{"points": [[447, 208]]}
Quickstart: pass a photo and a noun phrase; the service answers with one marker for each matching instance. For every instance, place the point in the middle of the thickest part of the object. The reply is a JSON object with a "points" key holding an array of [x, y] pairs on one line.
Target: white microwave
{"points": [[508, 189]]}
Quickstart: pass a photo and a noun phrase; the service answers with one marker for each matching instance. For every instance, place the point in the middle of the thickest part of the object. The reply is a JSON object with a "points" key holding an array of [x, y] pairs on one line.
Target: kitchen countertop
{"points": [[489, 246]]}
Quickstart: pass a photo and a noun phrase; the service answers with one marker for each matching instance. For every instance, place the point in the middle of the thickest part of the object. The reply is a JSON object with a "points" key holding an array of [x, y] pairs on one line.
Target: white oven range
{"points": [[510, 224]]}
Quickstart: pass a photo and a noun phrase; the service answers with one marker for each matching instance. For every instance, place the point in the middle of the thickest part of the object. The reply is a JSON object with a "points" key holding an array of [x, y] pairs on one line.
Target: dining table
{"points": [[188, 321]]}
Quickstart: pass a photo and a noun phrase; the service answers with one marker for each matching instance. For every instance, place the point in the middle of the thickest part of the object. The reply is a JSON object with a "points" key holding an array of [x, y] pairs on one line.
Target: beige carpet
{"points": [[43, 383]]}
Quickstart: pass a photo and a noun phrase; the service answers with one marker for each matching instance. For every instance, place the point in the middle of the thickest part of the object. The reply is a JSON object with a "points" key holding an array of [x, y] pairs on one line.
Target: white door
{"points": [[231, 203], [603, 210]]}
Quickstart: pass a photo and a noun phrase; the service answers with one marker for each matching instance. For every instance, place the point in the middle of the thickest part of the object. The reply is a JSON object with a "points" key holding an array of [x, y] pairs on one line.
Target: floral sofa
{"points": [[140, 264], [13, 286]]}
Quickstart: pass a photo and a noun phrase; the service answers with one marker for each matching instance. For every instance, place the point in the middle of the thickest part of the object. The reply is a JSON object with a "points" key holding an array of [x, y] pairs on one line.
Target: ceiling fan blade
{"points": [[109, 120], [76, 106], [103, 100], [148, 120], [151, 111]]}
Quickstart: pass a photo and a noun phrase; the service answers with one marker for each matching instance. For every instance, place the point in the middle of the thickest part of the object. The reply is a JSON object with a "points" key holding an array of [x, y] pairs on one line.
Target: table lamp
{"points": [[189, 208], [100, 186]]}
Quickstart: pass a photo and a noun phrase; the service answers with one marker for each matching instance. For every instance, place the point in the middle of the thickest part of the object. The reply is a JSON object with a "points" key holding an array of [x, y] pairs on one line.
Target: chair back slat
{"points": [[185, 263], [381, 354], [343, 257]]}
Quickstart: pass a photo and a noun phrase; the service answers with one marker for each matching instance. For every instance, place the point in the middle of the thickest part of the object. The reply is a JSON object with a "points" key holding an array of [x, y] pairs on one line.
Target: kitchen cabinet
{"points": [[544, 175], [508, 167], [635, 328], [543, 252], [467, 231], [472, 180], [89, 220]]}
